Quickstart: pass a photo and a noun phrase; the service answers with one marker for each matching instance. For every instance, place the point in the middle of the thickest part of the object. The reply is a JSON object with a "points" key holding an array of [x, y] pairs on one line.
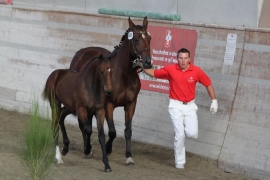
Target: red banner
{"points": [[9, 2], [164, 46]]}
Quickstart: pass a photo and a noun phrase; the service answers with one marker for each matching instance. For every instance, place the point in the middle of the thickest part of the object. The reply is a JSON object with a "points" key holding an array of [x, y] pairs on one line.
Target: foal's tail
{"points": [[49, 90], [45, 92]]}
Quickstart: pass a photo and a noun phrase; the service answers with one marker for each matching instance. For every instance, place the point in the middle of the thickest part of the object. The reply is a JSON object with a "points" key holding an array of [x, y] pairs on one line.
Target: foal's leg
{"points": [[129, 112], [86, 128], [55, 107], [66, 141], [100, 115], [86, 138], [112, 132]]}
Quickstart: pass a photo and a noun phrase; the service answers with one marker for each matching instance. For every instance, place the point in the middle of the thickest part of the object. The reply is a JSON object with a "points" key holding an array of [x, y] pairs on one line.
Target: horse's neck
{"points": [[91, 76], [124, 57], [93, 87]]}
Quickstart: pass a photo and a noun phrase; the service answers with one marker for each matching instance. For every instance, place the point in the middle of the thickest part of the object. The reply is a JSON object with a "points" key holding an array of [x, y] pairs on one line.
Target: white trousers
{"points": [[185, 122]]}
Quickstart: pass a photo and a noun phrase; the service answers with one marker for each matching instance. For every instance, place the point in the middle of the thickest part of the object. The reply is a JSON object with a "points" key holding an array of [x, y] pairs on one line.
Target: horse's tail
{"points": [[48, 91], [44, 93]]}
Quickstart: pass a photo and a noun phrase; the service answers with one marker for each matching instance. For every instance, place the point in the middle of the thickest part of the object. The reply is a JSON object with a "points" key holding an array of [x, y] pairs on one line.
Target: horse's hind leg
{"points": [[56, 106], [66, 141], [111, 127]]}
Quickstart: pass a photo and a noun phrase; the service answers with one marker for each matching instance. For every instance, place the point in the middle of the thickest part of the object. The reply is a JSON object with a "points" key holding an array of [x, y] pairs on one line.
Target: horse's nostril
{"points": [[108, 92]]}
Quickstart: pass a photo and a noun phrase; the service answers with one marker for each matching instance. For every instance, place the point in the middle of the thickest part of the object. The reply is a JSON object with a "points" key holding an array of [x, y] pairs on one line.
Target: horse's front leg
{"points": [[129, 112], [85, 125], [86, 137], [100, 115], [112, 132], [66, 141]]}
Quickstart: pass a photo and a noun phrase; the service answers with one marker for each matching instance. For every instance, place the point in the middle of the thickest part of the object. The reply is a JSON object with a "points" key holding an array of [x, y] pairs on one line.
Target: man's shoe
{"points": [[180, 166]]}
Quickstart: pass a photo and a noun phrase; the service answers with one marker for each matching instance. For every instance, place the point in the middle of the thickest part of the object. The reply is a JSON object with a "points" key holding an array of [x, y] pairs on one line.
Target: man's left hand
{"points": [[214, 106]]}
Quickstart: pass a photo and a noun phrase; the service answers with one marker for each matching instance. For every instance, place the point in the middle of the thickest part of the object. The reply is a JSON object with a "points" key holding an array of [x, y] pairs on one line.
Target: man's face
{"points": [[183, 60]]}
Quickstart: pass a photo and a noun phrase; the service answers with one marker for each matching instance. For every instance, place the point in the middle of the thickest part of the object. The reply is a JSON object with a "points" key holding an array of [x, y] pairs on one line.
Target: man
{"points": [[182, 78]]}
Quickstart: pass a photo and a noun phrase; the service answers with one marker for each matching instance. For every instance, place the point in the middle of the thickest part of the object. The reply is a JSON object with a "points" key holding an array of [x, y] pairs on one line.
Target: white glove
{"points": [[214, 106]]}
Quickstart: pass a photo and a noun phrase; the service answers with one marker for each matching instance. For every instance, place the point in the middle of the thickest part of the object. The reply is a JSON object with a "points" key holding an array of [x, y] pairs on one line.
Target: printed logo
{"points": [[191, 79], [168, 39]]}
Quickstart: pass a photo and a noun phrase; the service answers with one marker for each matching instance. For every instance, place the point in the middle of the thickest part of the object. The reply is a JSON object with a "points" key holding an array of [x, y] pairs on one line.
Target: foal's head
{"points": [[105, 73], [140, 40]]}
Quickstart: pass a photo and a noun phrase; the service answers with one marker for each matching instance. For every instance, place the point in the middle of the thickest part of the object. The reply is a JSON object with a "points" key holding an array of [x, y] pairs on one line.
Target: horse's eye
{"points": [[101, 72], [136, 40]]}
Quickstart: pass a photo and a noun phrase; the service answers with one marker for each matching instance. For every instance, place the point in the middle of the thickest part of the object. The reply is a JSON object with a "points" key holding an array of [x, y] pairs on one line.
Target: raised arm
{"points": [[149, 72]]}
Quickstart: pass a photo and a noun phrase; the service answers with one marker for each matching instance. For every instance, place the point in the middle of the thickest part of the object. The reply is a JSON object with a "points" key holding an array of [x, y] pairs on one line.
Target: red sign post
{"points": [[164, 46]]}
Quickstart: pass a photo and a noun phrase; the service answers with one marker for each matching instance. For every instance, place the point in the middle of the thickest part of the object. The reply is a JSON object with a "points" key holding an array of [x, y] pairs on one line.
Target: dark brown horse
{"points": [[82, 94], [134, 46]]}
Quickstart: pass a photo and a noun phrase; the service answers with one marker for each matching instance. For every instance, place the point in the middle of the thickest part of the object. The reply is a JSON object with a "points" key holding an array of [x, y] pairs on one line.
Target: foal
{"points": [[82, 94]]}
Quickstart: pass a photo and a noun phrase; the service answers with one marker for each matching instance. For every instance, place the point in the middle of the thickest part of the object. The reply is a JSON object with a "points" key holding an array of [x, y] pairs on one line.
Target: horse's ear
{"points": [[100, 58], [131, 24], [145, 22]]}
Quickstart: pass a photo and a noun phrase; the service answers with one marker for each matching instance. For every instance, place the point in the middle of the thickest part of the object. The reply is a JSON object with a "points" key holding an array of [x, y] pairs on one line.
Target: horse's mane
{"points": [[122, 40], [124, 37], [116, 48]]}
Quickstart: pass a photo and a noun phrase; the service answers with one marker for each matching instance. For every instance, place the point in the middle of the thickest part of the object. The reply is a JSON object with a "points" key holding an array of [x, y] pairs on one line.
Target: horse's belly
{"points": [[124, 98]]}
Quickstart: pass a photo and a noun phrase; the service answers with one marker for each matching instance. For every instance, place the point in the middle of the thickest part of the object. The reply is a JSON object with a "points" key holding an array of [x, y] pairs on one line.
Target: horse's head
{"points": [[105, 73], [140, 40]]}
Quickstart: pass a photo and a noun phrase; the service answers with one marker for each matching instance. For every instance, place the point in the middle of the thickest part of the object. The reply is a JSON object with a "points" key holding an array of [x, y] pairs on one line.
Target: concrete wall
{"points": [[265, 14], [220, 12], [33, 43], [260, 6], [246, 144]]}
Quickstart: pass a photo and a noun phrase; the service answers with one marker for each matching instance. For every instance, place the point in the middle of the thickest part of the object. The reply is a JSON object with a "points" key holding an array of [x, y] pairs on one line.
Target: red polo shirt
{"points": [[183, 84]]}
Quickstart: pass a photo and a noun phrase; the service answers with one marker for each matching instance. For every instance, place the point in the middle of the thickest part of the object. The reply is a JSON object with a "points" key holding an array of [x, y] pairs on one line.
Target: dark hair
{"points": [[183, 50]]}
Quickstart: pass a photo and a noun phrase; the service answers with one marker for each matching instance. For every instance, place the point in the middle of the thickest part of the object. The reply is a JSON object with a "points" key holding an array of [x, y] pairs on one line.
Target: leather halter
{"points": [[139, 58]]}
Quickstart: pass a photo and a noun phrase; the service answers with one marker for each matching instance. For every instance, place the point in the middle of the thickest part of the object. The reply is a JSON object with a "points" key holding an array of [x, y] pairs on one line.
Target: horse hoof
{"points": [[58, 161], [64, 151], [89, 155], [107, 170], [86, 153], [129, 162]]}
